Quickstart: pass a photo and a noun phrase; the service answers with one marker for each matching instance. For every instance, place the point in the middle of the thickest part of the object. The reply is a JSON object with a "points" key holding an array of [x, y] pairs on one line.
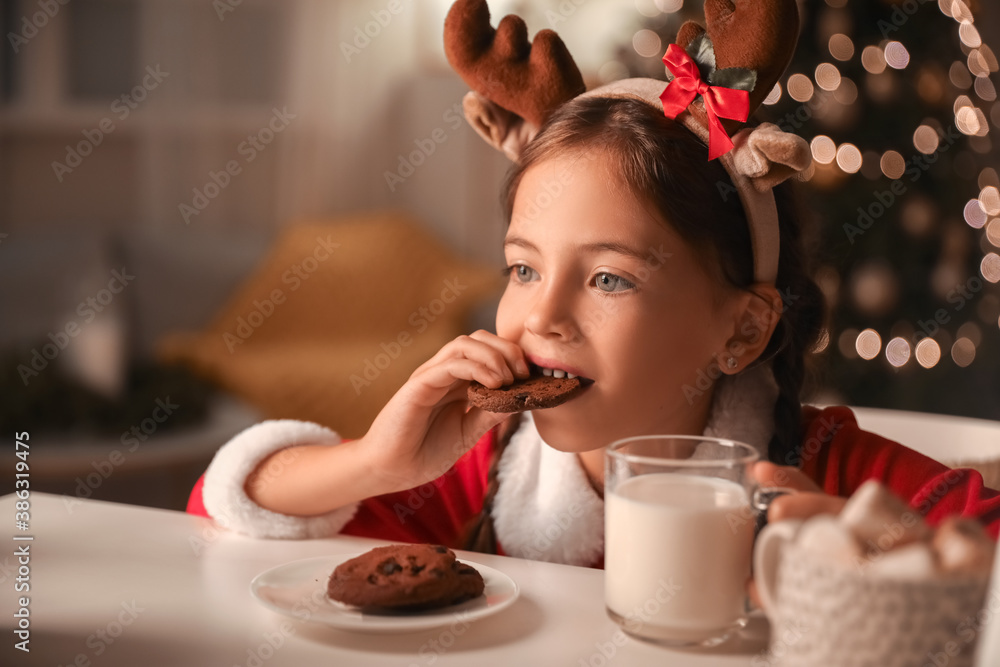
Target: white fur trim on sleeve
{"points": [[225, 497]]}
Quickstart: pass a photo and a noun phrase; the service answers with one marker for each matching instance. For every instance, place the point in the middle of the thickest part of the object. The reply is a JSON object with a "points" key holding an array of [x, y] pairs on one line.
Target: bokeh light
{"points": [[989, 199], [925, 139], [959, 11], [824, 150], [873, 60], [985, 89], [893, 165], [841, 47], [800, 87], [847, 92], [977, 63], [827, 76], [613, 70], [774, 95], [847, 343], [849, 158], [963, 352], [993, 232], [670, 6], [647, 43], [928, 353], [990, 267], [969, 35], [971, 331], [897, 352], [974, 214], [868, 344], [967, 121], [959, 75], [896, 55]]}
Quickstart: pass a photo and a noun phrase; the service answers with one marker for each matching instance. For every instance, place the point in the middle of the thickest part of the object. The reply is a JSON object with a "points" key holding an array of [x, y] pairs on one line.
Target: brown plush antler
{"points": [[530, 80], [751, 34]]}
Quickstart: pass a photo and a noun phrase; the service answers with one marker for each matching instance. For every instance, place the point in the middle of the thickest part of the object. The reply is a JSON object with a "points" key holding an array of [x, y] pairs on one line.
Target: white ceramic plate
{"points": [[298, 589]]}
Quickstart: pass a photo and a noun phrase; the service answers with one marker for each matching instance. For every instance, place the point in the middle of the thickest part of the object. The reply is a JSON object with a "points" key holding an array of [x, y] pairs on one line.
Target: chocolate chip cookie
{"points": [[536, 392], [405, 576]]}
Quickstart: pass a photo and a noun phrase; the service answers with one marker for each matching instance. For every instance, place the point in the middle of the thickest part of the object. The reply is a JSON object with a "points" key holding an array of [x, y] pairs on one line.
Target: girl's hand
{"points": [[808, 501], [427, 425]]}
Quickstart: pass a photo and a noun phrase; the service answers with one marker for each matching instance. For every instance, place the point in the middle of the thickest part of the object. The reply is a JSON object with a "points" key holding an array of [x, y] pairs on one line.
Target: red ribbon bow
{"points": [[687, 84]]}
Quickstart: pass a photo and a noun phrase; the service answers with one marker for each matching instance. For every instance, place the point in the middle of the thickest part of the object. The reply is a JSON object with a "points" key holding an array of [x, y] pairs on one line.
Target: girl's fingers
{"points": [[479, 421], [444, 374], [499, 356], [512, 352], [770, 475], [804, 506]]}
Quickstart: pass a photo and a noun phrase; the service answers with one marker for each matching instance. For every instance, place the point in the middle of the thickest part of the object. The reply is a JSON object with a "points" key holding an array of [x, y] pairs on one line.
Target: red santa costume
{"points": [[545, 507]]}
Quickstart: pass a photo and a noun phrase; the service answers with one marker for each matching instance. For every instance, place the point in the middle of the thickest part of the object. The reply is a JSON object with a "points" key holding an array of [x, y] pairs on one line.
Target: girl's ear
{"points": [[758, 311]]}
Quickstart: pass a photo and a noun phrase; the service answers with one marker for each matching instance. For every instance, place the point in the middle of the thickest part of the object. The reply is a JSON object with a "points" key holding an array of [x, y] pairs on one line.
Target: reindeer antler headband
{"points": [[725, 72]]}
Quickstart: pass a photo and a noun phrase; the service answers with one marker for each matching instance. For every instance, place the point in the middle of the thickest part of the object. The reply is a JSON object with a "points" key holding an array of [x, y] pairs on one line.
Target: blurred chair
{"points": [[336, 318]]}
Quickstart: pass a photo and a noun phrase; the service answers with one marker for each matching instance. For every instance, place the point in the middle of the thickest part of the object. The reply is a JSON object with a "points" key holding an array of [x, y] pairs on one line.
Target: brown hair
{"points": [[666, 164]]}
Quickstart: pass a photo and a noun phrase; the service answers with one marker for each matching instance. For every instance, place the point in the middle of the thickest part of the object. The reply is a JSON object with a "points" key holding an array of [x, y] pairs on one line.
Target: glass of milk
{"points": [[680, 514]]}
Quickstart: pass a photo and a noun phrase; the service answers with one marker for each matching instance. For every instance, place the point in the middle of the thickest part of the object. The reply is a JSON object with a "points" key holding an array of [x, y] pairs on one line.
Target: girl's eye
{"points": [[522, 273], [609, 282]]}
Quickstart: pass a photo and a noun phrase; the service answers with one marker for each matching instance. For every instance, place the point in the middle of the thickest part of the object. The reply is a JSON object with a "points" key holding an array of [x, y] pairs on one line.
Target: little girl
{"points": [[633, 265]]}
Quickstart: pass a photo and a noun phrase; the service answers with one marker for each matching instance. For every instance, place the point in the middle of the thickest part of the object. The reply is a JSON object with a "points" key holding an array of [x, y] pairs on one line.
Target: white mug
{"points": [[680, 519], [829, 615]]}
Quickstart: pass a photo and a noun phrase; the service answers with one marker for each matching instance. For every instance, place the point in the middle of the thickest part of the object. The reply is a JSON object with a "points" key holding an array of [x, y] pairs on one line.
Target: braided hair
{"points": [[660, 160]]}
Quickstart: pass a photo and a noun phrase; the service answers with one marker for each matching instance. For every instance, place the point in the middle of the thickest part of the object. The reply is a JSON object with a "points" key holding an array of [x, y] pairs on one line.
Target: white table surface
{"points": [[184, 589]]}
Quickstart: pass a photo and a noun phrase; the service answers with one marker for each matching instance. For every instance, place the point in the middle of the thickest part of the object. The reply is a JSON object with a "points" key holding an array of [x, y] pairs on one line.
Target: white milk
{"points": [[677, 554]]}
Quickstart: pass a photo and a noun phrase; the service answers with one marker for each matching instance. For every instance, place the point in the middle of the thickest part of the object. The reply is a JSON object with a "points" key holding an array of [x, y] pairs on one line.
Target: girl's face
{"points": [[602, 288]]}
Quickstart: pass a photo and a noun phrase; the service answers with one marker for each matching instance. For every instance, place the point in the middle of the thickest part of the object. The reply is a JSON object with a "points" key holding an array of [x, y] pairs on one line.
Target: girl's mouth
{"points": [[556, 372]]}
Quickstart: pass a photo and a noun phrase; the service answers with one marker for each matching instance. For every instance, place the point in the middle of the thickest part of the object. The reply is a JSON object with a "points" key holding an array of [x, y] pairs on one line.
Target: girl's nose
{"points": [[551, 314]]}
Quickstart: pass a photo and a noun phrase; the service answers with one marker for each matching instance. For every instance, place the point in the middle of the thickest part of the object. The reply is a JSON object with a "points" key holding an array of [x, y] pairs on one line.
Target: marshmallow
{"points": [[824, 539], [963, 547], [880, 520], [912, 562]]}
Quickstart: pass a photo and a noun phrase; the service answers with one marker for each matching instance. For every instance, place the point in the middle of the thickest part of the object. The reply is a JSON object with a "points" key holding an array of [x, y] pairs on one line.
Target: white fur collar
{"points": [[546, 509]]}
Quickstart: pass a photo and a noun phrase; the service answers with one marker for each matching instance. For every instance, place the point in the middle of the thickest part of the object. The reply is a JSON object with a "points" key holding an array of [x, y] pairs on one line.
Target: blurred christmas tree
{"points": [[897, 99]]}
